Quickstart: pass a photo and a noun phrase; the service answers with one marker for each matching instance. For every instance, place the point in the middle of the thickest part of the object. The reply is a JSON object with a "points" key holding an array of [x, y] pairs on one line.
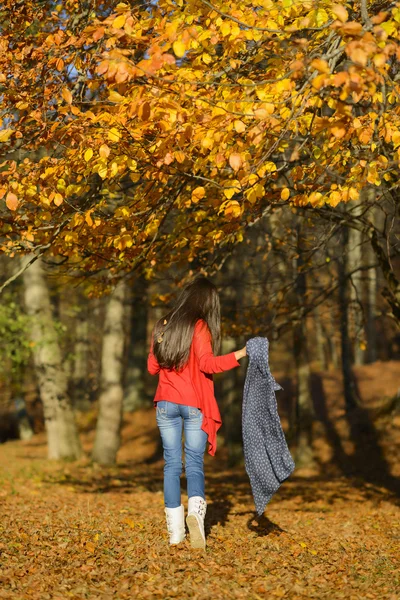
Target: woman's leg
{"points": [[169, 422], [195, 445]]}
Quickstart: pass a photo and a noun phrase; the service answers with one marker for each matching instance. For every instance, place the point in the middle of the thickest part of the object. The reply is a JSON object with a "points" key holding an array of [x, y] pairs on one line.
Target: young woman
{"points": [[183, 352]]}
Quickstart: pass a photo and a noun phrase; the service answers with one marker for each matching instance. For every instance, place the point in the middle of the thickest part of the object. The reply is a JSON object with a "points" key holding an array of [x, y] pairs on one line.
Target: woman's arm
{"points": [[152, 364], [209, 363]]}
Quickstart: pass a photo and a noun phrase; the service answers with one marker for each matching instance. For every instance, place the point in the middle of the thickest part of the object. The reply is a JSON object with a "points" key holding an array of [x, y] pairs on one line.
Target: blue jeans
{"points": [[169, 417]]}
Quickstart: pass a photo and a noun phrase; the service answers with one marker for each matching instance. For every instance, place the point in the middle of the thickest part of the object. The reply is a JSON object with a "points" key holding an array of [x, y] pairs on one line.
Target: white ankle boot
{"points": [[176, 524], [195, 521]]}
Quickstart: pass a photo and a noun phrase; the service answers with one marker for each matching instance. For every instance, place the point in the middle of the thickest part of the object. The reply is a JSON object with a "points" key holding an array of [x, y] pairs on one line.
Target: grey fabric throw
{"points": [[268, 461]]}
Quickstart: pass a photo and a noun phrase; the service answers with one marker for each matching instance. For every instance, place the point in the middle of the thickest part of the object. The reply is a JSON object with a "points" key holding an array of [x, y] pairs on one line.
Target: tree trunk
{"points": [[372, 284], [62, 434], [321, 336], [350, 393], [304, 405], [108, 430], [80, 364], [372, 288], [137, 317], [354, 257]]}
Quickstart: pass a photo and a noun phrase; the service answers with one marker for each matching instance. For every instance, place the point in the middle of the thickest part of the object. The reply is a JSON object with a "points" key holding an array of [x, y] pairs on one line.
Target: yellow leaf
{"points": [[179, 48], [251, 196], [58, 199], [334, 198], [113, 96], [285, 193], [233, 189], [396, 139], [260, 190], [206, 58], [123, 241], [88, 154], [5, 135], [354, 194], [66, 94], [119, 22], [321, 17], [132, 164], [102, 171], [269, 167], [225, 28], [12, 201], [129, 522], [198, 194], [114, 135], [379, 60]]}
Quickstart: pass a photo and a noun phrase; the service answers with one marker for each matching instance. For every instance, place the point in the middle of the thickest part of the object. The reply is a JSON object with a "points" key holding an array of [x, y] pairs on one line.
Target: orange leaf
{"points": [[104, 151], [180, 156], [236, 161], [58, 199], [359, 56], [321, 65], [12, 201], [66, 94], [352, 28], [98, 34], [232, 209], [144, 111], [239, 126], [340, 78], [319, 81], [339, 130], [340, 12], [198, 194]]}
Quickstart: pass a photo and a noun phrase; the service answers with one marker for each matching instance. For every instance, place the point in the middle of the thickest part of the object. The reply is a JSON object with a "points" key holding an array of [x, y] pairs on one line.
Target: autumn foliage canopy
{"points": [[138, 134]]}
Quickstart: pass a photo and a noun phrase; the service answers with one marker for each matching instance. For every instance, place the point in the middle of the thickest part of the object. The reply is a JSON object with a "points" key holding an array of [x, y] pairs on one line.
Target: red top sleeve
{"points": [[152, 364], [209, 363]]}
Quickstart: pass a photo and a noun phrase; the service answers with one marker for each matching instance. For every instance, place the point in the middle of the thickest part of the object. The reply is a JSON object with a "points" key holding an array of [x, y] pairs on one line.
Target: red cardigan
{"points": [[194, 385]]}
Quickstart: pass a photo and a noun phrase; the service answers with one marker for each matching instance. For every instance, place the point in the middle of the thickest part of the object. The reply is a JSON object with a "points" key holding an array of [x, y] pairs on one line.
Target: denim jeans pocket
{"points": [[194, 413], [161, 409]]}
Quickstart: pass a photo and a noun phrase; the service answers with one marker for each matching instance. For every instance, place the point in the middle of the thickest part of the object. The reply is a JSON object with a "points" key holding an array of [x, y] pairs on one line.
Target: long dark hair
{"points": [[173, 333]]}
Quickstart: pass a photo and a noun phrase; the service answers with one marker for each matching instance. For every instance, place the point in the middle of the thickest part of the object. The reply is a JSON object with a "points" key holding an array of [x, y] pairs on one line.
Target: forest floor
{"points": [[78, 531]]}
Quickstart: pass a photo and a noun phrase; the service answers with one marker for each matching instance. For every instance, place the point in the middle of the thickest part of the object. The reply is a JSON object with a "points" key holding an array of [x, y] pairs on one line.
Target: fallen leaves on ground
{"points": [[80, 531]]}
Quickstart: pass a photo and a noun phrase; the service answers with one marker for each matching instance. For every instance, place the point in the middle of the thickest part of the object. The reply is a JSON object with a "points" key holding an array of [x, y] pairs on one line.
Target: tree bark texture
{"points": [[355, 260], [304, 412], [350, 393], [107, 441], [62, 434]]}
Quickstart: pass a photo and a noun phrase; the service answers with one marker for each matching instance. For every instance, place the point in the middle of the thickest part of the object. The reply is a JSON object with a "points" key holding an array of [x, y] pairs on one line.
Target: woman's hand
{"points": [[241, 353]]}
